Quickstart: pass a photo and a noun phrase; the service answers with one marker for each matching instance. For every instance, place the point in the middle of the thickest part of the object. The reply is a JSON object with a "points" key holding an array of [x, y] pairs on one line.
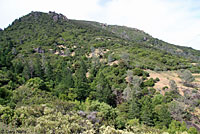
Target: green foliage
{"points": [[149, 83], [138, 72], [192, 130], [37, 83], [80, 82], [4, 96], [102, 90], [49, 65], [45, 119], [134, 109], [146, 111], [163, 116], [6, 114], [106, 112], [176, 126], [29, 96], [66, 82]]}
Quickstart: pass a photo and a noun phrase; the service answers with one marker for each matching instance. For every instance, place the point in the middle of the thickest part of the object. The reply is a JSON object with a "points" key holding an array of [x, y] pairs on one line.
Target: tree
{"points": [[192, 130], [18, 67], [80, 82], [31, 68], [37, 83], [129, 76], [186, 76], [146, 113], [157, 100], [177, 110], [173, 85], [177, 126], [38, 69], [110, 58], [48, 71], [162, 115], [102, 90], [127, 93], [66, 81], [125, 56], [4, 96], [26, 71], [138, 72], [134, 108], [123, 115], [149, 83], [136, 81]]}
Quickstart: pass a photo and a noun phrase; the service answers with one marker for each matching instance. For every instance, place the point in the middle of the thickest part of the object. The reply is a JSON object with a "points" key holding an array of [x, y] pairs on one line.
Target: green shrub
{"points": [[37, 83], [138, 72], [149, 83], [6, 114]]}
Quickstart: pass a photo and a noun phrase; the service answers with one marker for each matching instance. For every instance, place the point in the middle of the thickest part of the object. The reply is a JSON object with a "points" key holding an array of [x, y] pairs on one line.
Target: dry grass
{"points": [[114, 62], [165, 78]]}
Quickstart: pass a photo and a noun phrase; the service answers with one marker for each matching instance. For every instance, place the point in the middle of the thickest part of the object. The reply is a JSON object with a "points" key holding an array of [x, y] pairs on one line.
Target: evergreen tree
{"points": [[48, 71], [162, 115], [134, 109], [18, 67], [146, 113], [102, 89], [26, 71], [38, 70], [80, 82], [67, 80]]}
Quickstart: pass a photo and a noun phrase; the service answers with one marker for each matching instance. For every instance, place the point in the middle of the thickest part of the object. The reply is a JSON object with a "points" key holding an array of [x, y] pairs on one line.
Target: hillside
{"points": [[59, 75], [136, 35]]}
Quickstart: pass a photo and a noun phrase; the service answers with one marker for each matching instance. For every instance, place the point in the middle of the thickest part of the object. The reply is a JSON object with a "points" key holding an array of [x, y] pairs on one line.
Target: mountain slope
{"points": [[99, 74], [136, 35]]}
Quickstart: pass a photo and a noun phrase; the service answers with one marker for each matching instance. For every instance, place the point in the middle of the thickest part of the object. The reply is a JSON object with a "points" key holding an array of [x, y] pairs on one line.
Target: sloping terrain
{"points": [[166, 76], [136, 35], [55, 71]]}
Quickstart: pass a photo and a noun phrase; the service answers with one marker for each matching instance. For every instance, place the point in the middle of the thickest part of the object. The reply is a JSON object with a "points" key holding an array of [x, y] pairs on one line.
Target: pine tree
{"points": [[38, 70], [146, 113], [163, 116], [80, 82], [67, 79], [26, 71], [48, 71], [134, 109], [102, 89]]}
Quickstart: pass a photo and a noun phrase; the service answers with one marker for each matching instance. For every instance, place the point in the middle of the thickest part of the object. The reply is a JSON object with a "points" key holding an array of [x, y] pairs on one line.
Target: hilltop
{"points": [[99, 78]]}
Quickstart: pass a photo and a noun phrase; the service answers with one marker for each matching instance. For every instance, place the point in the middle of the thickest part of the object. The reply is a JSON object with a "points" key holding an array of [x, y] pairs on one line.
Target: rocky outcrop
{"points": [[57, 17], [36, 15]]}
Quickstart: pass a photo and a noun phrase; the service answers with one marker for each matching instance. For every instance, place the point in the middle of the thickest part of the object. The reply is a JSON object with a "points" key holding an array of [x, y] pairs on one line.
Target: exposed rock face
{"points": [[57, 17], [35, 14]]}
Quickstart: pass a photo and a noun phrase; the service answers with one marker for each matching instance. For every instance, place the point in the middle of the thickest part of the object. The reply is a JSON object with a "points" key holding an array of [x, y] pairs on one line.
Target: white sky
{"points": [[174, 21]]}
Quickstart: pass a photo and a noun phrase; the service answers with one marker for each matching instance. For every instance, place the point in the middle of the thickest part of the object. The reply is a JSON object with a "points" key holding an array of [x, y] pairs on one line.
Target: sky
{"points": [[174, 21]]}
